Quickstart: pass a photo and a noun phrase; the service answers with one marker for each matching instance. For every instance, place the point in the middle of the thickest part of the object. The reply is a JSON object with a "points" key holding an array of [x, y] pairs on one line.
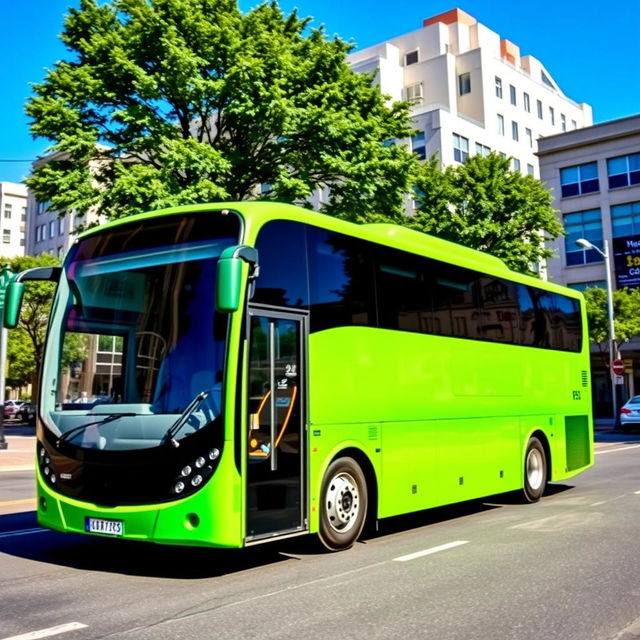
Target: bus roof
{"points": [[257, 213]]}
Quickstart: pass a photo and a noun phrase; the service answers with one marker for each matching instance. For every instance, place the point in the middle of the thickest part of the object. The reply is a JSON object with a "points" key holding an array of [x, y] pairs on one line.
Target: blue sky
{"points": [[590, 49]]}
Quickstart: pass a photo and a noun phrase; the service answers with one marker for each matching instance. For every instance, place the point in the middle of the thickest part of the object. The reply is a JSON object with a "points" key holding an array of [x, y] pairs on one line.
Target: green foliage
{"points": [[169, 102], [26, 343], [626, 315], [21, 363], [484, 205]]}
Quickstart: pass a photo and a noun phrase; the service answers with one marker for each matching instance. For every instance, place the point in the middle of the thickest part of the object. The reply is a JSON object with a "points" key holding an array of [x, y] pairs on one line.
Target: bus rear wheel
{"points": [[535, 471], [343, 501]]}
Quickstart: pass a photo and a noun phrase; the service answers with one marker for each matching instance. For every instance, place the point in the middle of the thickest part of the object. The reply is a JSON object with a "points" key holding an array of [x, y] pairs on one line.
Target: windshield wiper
{"points": [[110, 417], [184, 416]]}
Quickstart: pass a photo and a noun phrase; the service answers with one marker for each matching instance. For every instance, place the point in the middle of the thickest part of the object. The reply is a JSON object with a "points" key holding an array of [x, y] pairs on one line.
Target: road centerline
{"points": [[430, 551], [21, 532], [51, 631]]}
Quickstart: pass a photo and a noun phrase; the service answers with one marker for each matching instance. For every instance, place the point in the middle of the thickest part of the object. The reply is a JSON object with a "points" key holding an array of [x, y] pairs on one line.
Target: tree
{"points": [[484, 205], [626, 313], [25, 344], [168, 102]]}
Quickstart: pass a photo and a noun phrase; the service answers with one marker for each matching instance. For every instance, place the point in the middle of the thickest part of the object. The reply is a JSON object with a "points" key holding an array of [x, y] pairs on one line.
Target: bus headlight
{"points": [[193, 474], [46, 467]]}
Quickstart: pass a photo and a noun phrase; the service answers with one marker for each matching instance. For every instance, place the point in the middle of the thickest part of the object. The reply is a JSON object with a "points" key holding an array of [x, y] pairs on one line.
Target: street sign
{"points": [[619, 380], [617, 366]]}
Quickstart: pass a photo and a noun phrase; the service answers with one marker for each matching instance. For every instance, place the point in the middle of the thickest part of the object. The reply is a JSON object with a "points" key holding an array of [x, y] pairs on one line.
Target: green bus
{"points": [[228, 374]]}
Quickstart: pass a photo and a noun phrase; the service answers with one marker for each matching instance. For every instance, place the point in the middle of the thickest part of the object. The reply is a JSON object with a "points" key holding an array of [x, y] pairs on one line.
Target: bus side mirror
{"points": [[229, 276], [15, 292], [12, 304]]}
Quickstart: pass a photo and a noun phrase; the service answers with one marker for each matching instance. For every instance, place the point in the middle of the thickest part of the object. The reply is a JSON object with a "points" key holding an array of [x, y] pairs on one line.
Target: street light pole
{"points": [[5, 278], [585, 244]]}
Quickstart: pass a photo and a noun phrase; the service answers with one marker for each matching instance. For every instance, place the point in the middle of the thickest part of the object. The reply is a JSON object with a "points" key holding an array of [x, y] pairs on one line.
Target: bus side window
{"points": [[282, 256], [498, 310], [455, 301], [341, 281], [403, 292], [569, 325]]}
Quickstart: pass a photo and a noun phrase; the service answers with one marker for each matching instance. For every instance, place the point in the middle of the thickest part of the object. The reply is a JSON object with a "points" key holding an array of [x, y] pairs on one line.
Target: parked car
{"points": [[27, 413], [11, 408], [630, 413]]}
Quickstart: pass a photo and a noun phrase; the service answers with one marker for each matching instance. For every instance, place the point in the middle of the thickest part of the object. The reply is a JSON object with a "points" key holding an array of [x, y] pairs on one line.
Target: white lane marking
{"points": [[596, 504], [633, 446], [21, 532], [637, 493], [51, 631], [427, 552]]}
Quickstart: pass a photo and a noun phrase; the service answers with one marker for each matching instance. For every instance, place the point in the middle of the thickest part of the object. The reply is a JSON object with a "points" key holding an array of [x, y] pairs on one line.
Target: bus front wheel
{"points": [[343, 504], [535, 471]]}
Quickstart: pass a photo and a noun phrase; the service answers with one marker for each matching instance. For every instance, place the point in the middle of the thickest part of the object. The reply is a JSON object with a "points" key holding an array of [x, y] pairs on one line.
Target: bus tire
{"points": [[535, 471], [343, 504]]}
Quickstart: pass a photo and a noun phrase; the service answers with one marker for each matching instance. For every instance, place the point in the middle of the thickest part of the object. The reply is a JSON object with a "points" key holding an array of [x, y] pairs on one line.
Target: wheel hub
{"points": [[535, 469], [342, 502]]}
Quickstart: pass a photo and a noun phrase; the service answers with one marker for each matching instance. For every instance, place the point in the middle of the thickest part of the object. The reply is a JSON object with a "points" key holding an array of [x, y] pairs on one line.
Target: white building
{"points": [[13, 212], [471, 91], [47, 231]]}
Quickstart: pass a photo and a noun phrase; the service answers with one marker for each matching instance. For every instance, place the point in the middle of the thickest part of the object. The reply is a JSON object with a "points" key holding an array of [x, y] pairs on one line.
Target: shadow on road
{"points": [[618, 436], [190, 563], [126, 557]]}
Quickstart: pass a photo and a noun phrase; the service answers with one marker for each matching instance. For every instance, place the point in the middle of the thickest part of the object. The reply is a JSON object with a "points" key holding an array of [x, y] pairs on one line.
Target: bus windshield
{"points": [[135, 354]]}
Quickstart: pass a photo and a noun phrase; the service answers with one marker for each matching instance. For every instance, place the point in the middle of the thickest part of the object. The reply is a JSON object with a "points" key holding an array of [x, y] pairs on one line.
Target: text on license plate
{"points": [[101, 525]]}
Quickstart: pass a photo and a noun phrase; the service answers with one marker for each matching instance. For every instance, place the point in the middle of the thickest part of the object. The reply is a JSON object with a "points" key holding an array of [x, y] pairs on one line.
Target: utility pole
{"points": [[5, 278]]}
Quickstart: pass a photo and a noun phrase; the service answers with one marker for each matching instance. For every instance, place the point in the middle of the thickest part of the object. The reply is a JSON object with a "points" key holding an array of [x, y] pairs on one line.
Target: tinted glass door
{"points": [[275, 430]]}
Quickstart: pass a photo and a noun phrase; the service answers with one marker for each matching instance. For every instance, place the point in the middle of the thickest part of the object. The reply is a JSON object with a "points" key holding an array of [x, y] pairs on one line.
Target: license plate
{"points": [[101, 525]]}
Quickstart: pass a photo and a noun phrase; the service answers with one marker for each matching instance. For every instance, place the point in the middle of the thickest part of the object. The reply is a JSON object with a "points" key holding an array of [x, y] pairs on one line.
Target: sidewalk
{"points": [[21, 451]]}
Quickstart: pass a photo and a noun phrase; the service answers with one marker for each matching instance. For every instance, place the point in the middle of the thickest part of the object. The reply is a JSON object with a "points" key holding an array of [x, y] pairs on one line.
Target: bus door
{"points": [[275, 430]]}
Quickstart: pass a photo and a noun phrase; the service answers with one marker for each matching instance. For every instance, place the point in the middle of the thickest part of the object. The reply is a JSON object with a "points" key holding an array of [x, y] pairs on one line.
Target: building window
{"points": [[411, 58], [460, 148], [482, 150], [60, 252], [60, 226], [539, 106], [625, 219], [514, 131], [413, 93], [6, 236], [582, 224], [623, 171], [527, 104], [563, 122], [530, 170], [512, 94], [529, 135], [464, 83], [515, 164], [500, 125], [578, 180], [545, 79], [498, 87], [23, 216], [574, 124], [552, 115], [52, 228], [7, 210], [418, 145], [593, 284]]}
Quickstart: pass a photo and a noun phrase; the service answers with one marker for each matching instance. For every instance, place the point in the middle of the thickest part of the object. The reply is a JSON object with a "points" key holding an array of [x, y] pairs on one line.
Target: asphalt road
{"points": [[567, 568]]}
